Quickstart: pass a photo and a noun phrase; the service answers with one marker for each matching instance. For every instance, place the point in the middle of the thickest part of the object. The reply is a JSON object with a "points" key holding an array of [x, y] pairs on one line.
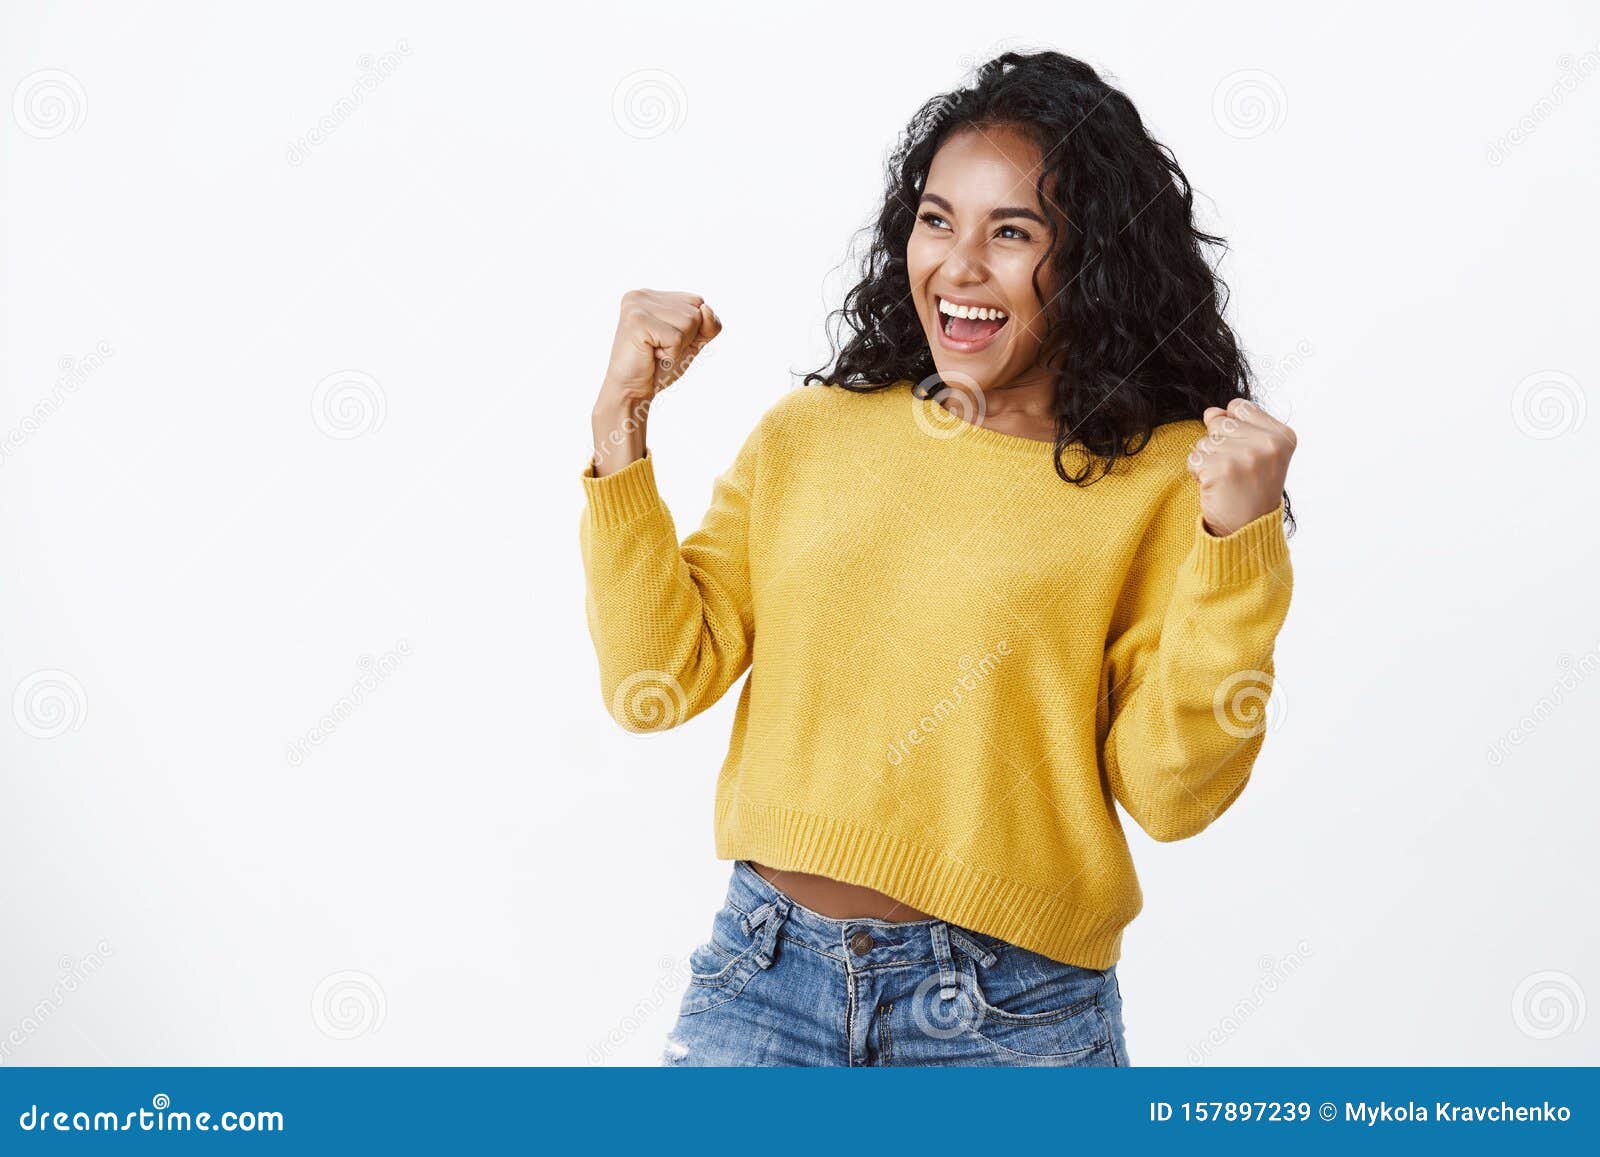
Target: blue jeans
{"points": [[779, 984]]}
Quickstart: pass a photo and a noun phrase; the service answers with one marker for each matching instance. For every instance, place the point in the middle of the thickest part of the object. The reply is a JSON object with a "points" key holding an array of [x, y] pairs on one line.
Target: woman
{"points": [[1017, 557]]}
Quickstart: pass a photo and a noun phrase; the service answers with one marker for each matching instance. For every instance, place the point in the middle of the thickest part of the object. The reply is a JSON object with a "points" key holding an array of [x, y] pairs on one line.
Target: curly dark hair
{"points": [[1136, 338]]}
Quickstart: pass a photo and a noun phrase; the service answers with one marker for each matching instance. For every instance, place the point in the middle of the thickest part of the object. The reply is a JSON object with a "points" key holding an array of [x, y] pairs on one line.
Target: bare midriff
{"points": [[836, 899]]}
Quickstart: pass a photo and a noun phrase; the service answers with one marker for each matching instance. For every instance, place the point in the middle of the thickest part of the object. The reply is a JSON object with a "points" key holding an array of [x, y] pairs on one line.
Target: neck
{"points": [[1029, 393], [1025, 405]]}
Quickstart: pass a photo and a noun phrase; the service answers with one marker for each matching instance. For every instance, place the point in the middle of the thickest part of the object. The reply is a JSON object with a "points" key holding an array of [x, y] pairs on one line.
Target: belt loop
{"points": [[941, 952], [769, 918], [748, 924], [972, 948]]}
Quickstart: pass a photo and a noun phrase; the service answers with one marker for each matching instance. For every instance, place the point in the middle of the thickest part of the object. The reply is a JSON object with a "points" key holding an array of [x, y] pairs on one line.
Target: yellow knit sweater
{"points": [[959, 663]]}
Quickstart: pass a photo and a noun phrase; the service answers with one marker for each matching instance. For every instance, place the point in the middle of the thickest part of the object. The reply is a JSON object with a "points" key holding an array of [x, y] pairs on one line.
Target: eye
{"points": [[1019, 234], [932, 219]]}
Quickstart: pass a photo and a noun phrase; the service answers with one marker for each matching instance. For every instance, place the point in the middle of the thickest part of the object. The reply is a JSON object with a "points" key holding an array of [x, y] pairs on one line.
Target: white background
{"points": [[478, 865]]}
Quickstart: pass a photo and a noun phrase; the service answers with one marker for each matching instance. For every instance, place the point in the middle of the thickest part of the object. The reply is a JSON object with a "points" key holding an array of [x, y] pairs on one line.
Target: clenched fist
{"points": [[658, 335], [1240, 463]]}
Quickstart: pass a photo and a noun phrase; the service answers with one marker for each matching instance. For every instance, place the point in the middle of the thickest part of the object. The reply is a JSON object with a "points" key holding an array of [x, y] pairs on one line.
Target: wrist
{"points": [[1227, 529], [618, 427]]}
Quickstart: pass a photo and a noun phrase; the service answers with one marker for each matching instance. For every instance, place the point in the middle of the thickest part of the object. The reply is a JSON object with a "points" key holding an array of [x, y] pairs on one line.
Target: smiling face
{"points": [[981, 232]]}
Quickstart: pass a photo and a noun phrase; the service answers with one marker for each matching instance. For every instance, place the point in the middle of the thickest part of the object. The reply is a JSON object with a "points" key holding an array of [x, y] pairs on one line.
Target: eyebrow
{"points": [[994, 214]]}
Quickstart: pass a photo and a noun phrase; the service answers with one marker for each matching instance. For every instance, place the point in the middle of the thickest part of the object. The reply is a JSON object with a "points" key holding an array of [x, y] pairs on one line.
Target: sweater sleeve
{"points": [[1189, 666], [672, 624]]}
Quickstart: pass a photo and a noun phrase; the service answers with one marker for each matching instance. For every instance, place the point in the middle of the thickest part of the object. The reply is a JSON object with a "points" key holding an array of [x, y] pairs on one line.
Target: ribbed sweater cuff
{"points": [[623, 495], [1256, 548]]}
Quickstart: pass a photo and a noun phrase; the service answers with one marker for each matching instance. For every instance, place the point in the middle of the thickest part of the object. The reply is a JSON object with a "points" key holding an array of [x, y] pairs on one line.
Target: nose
{"points": [[963, 264]]}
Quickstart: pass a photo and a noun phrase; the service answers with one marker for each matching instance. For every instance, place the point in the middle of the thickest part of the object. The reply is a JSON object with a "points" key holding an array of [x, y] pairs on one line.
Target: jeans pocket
{"points": [[1030, 1005], [720, 967]]}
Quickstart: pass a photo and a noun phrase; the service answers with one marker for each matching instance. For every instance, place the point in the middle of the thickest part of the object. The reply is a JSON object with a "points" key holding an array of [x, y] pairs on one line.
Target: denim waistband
{"points": [[767, 911]]}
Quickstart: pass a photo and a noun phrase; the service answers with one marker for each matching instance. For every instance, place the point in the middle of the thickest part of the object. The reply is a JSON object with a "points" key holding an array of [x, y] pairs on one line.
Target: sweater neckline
{"points": [[933, 418]]}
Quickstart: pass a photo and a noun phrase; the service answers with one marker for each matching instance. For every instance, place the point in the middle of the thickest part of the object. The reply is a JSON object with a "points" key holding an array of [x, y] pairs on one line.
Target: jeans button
{"points": [[861, 943]]}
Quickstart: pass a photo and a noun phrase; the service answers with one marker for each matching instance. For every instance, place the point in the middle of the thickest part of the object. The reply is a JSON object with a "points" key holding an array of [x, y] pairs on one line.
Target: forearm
{"points": [[1184, 743], [668, 634], [1187, 729], [672, 622]]}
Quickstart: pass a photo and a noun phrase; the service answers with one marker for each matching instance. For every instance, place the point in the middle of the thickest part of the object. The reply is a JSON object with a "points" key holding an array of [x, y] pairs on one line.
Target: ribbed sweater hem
{"points": [[1245, 555], [1019, 913], [619, 497]]}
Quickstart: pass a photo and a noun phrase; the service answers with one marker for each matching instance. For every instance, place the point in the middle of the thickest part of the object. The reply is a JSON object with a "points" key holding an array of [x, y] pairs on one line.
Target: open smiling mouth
{"points": [[968, 328]]}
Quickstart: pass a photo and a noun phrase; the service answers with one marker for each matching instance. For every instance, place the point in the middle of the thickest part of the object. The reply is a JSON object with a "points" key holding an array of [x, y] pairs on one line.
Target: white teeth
{"points": [[971, 311]]}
